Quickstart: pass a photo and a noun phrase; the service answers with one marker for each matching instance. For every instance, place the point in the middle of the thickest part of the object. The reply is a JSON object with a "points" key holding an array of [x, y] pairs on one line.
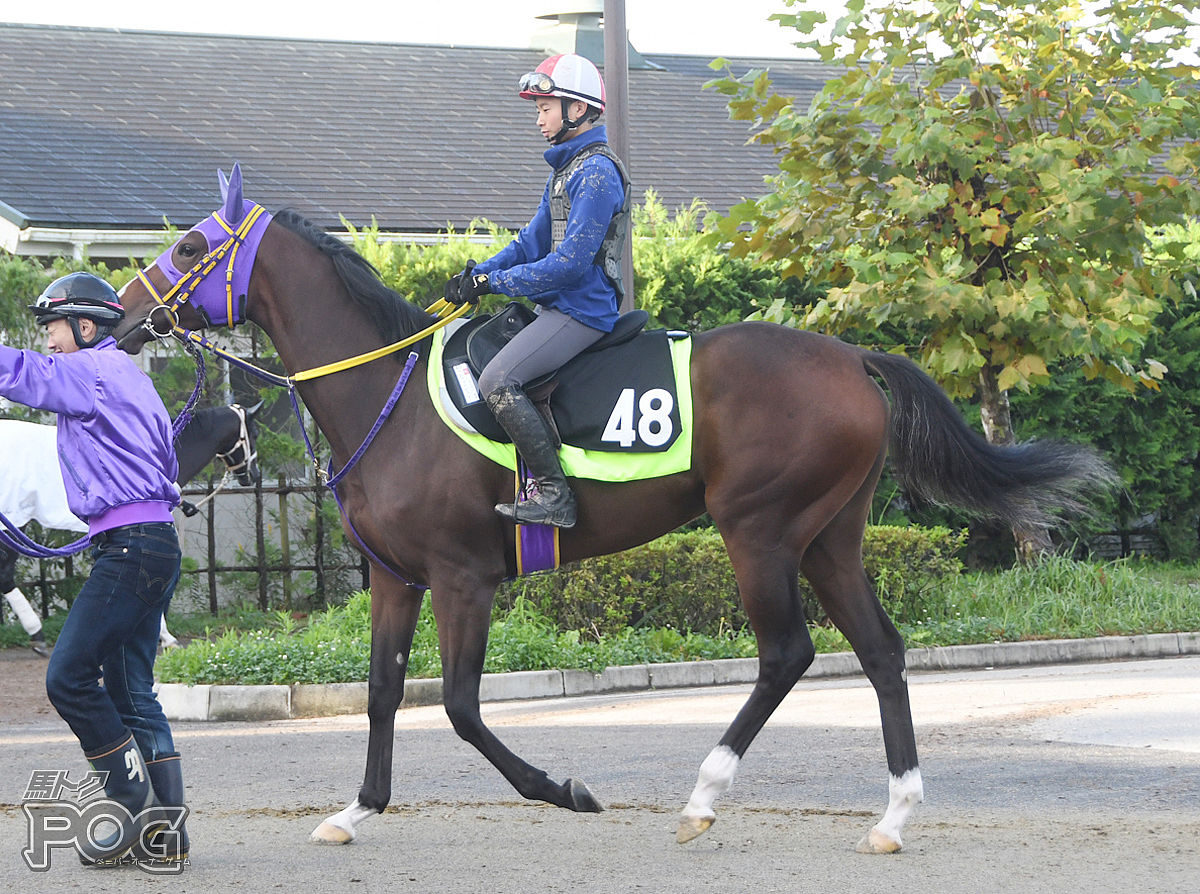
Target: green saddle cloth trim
{"points": [[596, 465]]}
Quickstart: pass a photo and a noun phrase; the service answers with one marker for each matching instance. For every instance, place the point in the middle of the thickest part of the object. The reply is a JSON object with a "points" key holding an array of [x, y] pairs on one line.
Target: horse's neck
{"points": [[311, 320]]}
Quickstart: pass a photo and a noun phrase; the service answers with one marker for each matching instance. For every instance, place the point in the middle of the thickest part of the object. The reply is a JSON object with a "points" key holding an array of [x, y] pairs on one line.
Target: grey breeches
{"points": [[541, 347]]}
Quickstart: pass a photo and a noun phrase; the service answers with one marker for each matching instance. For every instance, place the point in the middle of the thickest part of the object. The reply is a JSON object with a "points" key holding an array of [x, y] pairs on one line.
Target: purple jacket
{"points": [[114, 435]]}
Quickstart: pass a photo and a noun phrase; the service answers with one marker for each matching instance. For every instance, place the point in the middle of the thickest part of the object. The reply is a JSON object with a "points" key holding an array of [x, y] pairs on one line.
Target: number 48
{"points": [[653, 426]]}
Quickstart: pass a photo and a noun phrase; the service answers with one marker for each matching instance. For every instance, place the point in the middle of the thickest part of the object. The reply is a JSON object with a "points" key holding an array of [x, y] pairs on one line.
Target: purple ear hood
{"points": [[231, 195], [210, 296]]}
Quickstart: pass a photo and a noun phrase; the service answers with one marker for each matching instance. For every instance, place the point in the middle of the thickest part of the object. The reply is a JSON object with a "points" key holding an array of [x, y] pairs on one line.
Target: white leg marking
{"points": [[342, 827], [25, 614], [904, 794], [716, 776]]}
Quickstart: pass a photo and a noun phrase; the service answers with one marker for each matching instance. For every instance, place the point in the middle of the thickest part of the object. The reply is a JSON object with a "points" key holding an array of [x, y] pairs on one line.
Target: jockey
{"points": [[567, 261], [117, 458]]}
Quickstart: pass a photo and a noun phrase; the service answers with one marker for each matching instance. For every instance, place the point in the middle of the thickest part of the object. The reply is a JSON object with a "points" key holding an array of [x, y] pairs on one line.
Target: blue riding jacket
{"points": [[569, 279]]}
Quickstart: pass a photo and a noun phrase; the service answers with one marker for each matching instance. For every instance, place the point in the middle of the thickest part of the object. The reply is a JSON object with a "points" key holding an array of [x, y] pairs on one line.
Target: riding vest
{"points": [[612, 249]]}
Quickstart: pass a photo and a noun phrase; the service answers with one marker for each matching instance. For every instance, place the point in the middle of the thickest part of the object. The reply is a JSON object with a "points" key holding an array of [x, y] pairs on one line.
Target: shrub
{"points": [[685, 581]]}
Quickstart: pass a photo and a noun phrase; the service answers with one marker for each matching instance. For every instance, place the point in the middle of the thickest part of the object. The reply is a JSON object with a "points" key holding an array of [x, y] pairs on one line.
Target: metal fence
{"points": [[278, 546]]}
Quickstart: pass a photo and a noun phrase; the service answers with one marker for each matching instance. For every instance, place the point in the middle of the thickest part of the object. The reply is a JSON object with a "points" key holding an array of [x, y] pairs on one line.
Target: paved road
{"points": [[1037, 779]]}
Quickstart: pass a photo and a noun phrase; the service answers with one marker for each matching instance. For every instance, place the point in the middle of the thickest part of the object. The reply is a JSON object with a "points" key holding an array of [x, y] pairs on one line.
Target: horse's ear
{"points": [[231, 194], [251, 412]]}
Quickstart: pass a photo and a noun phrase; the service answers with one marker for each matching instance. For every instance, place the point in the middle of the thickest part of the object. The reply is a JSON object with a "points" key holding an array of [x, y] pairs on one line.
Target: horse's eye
{"points": [[186, 250]]}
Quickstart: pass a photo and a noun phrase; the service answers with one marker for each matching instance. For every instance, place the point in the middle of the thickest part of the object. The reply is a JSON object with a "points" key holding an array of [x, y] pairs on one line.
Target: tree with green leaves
{"points": [[982, 177]]}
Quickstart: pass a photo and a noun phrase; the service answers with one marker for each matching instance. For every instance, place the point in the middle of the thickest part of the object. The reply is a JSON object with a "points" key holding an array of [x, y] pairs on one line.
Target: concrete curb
{"points": [[182, 702]]}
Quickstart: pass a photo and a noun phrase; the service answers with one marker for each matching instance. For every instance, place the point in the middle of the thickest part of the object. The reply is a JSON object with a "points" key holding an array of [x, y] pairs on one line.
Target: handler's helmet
{"points": [[570, 77], [80, 296]]}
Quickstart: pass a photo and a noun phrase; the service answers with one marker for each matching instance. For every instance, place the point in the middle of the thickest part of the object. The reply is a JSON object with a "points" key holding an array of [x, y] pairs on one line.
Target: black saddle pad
{"points": [[619, 399]]}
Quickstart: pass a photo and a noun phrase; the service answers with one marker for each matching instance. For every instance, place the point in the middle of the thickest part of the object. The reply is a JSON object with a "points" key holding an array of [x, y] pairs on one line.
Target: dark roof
{"points": [[108, 128]]}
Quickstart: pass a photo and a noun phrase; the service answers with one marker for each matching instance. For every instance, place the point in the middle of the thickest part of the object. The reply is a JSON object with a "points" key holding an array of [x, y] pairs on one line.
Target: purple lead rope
{"points": [[332, 481]]}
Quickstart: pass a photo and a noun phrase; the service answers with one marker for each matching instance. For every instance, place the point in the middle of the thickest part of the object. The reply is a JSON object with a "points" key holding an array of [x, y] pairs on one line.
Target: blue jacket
{"points": [[568, 280], [115, 447]]}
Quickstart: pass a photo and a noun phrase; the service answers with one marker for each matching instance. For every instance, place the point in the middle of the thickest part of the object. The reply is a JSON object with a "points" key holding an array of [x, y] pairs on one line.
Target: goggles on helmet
{"points": [[538, 82]]}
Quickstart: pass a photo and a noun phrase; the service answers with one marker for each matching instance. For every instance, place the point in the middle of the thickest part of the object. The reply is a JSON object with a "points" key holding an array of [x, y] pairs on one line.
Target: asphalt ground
{"points": [[1037, 779]]}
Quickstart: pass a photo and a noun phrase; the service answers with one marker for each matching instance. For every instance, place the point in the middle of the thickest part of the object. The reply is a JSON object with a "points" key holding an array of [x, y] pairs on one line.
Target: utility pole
{"points": [[616, 111]]}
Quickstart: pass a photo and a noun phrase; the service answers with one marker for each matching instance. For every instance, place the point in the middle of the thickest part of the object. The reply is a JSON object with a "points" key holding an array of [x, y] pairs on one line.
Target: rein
{"points": [[182, 291]]}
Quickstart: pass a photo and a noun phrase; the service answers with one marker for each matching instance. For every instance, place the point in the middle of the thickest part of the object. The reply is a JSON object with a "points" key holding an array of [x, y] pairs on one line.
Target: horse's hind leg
{"points": [[770, 594], [833, 564], [394, 610]]}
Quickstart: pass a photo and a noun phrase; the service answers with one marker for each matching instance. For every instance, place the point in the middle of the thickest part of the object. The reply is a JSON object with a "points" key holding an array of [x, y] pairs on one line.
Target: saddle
{"points": [[472, 346]]}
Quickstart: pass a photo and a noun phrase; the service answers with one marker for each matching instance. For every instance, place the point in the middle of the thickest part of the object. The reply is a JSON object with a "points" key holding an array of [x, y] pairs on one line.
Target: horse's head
{"points": [[178, 290], [242, 458]]}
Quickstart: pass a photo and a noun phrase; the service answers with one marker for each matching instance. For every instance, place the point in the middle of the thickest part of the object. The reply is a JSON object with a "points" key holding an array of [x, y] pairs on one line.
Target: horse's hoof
{"points": [[875, 842], [328, 833], [582, 799], [692, 827]]}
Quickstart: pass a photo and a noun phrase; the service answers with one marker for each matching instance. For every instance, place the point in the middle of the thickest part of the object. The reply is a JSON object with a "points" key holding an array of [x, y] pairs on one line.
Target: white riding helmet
{"points": [[570, 77]]}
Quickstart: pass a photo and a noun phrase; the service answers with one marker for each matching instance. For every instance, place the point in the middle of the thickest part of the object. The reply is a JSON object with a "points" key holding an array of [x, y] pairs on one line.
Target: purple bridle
{"points": [[232, 235]]}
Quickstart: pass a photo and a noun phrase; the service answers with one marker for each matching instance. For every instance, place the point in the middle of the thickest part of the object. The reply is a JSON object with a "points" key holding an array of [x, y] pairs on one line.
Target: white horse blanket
{"points": [[31, 483]]}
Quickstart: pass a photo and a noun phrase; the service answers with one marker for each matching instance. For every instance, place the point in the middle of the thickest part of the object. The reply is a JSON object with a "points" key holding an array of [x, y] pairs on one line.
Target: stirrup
{"points": [[561, 513]]}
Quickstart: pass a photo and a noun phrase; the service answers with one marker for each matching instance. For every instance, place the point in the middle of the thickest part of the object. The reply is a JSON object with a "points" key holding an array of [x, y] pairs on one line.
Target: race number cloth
{"points": [[31, 483], [617, 423]]}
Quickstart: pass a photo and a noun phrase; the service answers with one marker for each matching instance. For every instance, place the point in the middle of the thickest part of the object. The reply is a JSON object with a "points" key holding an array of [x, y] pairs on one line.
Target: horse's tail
{"points": [[937, 455]]}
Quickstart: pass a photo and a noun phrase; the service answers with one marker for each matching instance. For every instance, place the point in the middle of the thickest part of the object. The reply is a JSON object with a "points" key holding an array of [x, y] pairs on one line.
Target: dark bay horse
{"points": [[790, 434], [226, 433]]}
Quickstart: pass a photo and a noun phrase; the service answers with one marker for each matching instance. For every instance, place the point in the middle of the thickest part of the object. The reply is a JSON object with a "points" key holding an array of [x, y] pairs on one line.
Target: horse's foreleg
{"points": [[462, 634], [851, 603], [394, 610], [772, 600]]}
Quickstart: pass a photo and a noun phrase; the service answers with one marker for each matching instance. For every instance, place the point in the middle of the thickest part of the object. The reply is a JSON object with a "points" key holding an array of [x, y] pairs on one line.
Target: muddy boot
{"points": [[554, 503], [128, 784], [169, 844]]}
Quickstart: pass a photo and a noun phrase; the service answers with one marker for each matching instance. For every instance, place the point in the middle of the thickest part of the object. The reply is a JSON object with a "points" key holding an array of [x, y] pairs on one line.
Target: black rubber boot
{"points": [[554, 503], [168, 845], [128, 784]]}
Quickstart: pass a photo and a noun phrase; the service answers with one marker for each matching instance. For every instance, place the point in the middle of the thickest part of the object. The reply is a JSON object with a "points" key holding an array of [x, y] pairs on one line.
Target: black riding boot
{"points": [[128, 784], [554, 503], [168, 845]]}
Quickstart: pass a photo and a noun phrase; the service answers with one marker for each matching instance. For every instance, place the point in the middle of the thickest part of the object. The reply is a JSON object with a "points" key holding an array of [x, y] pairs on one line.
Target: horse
{"points": [[32, 488], [791, 431]]}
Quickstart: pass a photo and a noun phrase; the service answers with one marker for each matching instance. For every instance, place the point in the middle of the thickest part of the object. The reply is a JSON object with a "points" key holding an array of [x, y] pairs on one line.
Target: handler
{"points": [[567, 261], [118, 463]]}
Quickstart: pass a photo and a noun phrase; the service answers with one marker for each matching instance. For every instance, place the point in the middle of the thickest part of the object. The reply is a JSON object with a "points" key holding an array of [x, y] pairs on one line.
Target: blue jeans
{"points": [[112, 631]]}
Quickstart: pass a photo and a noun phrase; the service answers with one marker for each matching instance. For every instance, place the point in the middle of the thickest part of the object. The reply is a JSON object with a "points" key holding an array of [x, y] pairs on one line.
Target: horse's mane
{"points": [[391, 315]]}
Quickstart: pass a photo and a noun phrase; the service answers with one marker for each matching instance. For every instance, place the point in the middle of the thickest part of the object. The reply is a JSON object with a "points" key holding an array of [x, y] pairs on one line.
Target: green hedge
{"points": [[685, 581]]}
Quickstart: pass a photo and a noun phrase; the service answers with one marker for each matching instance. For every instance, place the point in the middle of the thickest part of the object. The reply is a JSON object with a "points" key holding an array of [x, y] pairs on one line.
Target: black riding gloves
{"points": [[473, 287], [454, 285]]}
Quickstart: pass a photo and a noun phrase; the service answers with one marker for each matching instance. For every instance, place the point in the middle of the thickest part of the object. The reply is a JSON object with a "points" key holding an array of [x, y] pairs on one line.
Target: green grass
{"points": [[1059, 599], [1063, 599], [334, 646]]}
